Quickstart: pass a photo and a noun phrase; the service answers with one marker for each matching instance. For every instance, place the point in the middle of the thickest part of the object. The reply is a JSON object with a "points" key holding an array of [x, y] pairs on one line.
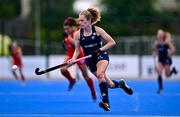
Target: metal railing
{"points": [[129, 45], [139, 45]]}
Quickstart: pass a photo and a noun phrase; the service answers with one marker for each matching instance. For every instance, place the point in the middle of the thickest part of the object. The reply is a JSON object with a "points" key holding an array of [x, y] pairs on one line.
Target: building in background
{"points": [[80, 5], [167, 4]]}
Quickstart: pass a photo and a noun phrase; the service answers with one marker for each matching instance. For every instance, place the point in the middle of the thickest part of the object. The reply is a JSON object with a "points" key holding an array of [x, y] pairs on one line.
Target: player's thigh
{"points": [[167, 70], [83, 69], [102, 66], [159, 68]]}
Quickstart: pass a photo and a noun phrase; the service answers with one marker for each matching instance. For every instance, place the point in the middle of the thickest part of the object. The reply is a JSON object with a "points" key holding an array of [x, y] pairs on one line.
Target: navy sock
{"points": [[160, 82], [116, 84], [171, 72], [104, 92]]}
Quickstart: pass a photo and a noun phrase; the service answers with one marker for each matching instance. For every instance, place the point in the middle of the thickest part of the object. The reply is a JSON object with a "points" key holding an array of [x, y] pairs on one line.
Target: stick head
{"points": [[38, 72]]}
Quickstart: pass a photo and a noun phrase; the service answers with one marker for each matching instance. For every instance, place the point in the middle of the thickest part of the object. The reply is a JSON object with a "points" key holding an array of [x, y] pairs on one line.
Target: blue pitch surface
{"points": [[50, 98]]}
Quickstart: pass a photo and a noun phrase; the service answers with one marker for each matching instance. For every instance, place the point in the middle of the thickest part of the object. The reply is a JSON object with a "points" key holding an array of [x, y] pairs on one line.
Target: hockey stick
{"points": [[40, 72], [154, 62]]}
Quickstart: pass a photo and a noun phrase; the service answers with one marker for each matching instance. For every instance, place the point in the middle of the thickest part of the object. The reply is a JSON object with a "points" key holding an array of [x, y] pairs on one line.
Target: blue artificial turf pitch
{"points": [[50, 98]]}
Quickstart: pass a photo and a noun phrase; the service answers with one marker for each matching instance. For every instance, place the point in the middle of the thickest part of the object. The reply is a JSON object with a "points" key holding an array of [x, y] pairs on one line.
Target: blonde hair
{"points": [[92, 14], [167, 36], [160, 31]]}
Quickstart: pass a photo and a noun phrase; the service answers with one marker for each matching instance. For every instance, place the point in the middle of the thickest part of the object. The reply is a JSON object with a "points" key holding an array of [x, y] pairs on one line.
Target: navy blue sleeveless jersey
{"points": [[90, 44], [163, 57]]}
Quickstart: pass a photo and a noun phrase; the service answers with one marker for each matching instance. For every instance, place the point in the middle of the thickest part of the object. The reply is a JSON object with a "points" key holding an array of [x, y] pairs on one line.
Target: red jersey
{"points": [[70, 48], [16, 57]]}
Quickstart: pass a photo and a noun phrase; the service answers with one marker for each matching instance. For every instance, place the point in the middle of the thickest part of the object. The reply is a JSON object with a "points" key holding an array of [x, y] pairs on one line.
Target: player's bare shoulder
{"points": [[99, 30], [77, 35]]}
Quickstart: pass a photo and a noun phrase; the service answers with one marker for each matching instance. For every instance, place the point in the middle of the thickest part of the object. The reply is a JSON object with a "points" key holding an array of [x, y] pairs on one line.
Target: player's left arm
{"points": [[20, 52], [72, 41], [109, 40], [172, 49]]}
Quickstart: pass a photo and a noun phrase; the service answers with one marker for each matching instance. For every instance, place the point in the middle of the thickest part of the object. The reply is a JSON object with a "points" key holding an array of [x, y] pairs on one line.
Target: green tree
{"points": [[9, 8], [53, 13], [128, 17]]}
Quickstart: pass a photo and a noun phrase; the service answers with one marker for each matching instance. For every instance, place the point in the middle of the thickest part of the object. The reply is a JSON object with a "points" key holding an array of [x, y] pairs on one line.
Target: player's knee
{"points": [[100, 75], [63, 71], [85, 75], [159, 72], [167, 74]]}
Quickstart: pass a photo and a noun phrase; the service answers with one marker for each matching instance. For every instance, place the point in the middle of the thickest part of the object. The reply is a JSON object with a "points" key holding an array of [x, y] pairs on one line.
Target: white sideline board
{"points": [[148, 67], [119, 67]]}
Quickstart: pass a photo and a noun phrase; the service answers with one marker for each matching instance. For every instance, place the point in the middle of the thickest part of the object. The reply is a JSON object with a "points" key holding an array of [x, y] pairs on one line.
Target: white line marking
{"points": [[78, 115]]}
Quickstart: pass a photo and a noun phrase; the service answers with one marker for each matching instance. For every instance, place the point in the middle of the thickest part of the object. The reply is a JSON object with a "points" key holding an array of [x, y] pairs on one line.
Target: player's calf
{"points": [[71, 85]]}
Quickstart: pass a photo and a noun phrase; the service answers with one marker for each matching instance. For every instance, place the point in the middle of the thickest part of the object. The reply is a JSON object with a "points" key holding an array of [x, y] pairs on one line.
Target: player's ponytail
{"points": [[96, 16], [92, 14], [167, 36]]}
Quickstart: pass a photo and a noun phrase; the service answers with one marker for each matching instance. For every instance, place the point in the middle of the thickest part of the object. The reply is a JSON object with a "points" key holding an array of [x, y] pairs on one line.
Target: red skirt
{"points": [[18, 63]]}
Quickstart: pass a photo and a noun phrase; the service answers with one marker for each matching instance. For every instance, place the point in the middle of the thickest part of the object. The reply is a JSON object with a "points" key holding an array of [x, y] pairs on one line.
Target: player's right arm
{"points": [[77, 45], [154, 52], [154, 49], [172, 49]]}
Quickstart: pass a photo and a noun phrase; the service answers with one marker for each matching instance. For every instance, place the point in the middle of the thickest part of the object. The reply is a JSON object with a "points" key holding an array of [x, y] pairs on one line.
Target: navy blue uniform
{"points": [[163, 57], [90, 44]]}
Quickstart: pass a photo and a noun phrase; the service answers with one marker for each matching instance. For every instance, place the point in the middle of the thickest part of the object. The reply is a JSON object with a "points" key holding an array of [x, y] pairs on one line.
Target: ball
{"points": [[14, 67]]}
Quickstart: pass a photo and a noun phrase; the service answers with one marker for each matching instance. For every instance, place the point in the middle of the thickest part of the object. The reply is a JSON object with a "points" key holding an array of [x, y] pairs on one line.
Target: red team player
{"points": [[16, 54], [70, 27]]}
